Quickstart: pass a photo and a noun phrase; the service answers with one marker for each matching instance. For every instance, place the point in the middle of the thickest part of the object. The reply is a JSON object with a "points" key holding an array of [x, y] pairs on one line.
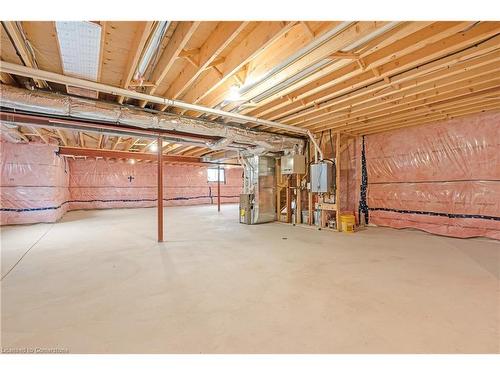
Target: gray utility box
{"points": [[291, 164], [321, 177]]}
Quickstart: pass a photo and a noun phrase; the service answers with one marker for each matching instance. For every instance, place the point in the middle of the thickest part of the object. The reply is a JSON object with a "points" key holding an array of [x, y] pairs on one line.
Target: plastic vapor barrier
{"points": [[350, 157], [37, 185], [443, 178], [349, 177], [34, 184], [116, 184]]}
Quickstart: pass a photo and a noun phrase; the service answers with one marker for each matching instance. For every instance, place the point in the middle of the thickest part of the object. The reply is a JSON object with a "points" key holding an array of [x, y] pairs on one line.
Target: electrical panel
{"points": [[322, 177], [291, 164]]}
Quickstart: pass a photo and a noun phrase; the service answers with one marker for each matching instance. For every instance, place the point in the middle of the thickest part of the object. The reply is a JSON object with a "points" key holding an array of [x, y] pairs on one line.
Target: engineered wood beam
{"points": [[81, 139], [172, 147], [132, 143], [141, 37], [478, 85], [7, 79], [62, 136], [458, 41], [264, 34], [340, 40], [39, 133], [148, 145], [414, 114], [101, 49], [397, 32], [457, 113], [220, 38], [409, 80], [430, 42], [99, 140], [410, 93], [93, 152], [307, 28], [20, 45], [345, 55], [115, 143], [181, 36]]}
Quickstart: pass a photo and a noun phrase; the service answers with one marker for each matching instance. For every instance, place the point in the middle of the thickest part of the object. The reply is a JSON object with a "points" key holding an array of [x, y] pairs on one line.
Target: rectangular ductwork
{"points": [[259, 190], [232, 137]]}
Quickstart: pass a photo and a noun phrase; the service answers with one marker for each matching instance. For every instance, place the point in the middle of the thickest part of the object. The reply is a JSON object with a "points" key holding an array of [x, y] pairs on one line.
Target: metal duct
{"points": [[62, 105], [260, 182]]}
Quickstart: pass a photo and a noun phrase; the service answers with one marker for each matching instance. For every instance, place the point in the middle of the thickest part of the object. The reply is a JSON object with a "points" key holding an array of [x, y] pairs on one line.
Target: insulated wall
{"points": [[350, 159], [115, 184], [34, 183], [443, 178], [37, 185]]}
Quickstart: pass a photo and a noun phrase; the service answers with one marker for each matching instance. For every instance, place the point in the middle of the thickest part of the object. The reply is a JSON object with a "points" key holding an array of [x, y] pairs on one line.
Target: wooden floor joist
{"points": [[373, 75]]}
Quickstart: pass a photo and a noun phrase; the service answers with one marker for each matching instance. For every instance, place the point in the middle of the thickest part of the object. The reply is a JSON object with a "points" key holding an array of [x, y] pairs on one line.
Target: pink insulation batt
{"points": [[39, 186], [34, 184], [443, 178], [114, 184]]}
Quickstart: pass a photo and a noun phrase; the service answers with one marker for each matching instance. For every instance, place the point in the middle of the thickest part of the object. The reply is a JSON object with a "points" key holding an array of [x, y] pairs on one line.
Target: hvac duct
{"points": [[62, 105], [25, 71], [258, 201]]}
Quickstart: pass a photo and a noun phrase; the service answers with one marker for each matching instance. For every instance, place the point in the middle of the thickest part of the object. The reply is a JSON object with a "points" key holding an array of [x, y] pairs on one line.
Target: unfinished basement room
{"points": [[240, 187]]}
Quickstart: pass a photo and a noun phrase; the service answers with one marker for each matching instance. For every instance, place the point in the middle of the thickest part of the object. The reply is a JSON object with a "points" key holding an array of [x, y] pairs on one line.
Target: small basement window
{"points": [[212, 175]]}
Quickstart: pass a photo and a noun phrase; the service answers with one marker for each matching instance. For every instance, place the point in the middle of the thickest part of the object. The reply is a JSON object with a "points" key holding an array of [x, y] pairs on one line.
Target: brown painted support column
{"points": [[218, 188], [337, 180], [160, 190]]}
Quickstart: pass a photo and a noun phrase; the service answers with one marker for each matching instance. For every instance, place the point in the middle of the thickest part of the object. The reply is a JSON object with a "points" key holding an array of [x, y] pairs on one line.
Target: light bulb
{"points": [[234, 93]]}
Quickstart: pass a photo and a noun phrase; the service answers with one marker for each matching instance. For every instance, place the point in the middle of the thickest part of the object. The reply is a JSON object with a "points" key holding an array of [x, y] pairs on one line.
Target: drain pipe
{"points": [[25, 71]]}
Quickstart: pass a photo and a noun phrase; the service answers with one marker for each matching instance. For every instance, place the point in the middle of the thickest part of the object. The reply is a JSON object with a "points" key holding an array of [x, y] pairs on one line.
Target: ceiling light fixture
{"points": [[153, 147], [234, 93]]}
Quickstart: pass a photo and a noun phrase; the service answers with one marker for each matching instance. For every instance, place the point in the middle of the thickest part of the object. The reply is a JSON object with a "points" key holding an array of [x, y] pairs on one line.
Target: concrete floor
{"points": [[97, 282]]}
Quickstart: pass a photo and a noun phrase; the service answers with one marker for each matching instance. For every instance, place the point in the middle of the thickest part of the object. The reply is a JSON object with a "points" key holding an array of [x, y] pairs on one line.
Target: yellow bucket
{"points": [[348, 222]]}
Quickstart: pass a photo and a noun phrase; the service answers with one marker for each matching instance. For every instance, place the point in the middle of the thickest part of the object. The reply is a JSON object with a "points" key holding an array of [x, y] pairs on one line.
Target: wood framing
{"points": [[180, 38], [354, 77], [337, 180], [141, 37]]}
